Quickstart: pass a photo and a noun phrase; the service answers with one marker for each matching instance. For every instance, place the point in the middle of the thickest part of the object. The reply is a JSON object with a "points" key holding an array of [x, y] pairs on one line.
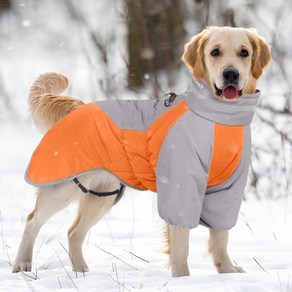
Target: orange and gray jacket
{"points": [[194, 151]]}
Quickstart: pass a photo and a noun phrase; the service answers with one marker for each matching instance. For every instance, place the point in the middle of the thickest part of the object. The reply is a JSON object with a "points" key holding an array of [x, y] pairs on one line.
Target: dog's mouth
{"points": [[229, 92]]}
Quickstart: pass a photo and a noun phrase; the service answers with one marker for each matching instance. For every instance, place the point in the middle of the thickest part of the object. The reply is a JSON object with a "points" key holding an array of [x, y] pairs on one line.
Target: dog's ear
{"points": [[193, 55], [261, 54]]}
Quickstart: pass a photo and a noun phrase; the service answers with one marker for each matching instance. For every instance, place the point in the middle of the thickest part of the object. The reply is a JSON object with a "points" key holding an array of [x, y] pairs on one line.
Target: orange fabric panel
{"points": [[135, 145], [79, 143], [143, 154], [227, 152], [53, 159]]}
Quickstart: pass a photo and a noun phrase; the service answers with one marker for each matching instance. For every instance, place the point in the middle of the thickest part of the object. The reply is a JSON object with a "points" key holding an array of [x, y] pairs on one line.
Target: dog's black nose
{"points": [[230, 75]]}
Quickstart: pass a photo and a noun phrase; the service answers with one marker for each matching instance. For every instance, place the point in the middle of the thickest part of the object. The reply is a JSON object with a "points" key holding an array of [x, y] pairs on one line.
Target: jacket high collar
{"points": [[201, 100]]}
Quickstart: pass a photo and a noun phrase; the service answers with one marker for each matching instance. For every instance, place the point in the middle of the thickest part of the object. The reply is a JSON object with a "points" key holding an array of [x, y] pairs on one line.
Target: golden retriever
{"points": [[229, 60]]}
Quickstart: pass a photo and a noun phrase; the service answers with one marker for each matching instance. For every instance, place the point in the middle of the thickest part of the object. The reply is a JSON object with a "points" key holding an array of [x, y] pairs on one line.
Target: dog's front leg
{"points": [[217, 247], [178, 250]]}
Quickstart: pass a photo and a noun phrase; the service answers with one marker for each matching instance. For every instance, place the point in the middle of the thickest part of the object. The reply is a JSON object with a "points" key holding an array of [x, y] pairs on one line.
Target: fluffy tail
{"points": [[46, 106]]}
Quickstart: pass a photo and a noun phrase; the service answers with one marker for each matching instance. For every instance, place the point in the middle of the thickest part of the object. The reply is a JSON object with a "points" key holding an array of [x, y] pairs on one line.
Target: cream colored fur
{"points": [[229, 41], [47, 107]]}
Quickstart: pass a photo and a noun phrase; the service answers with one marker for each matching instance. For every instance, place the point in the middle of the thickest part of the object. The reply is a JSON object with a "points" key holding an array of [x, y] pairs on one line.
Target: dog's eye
{"points": [[215, 53], [244, 53]]}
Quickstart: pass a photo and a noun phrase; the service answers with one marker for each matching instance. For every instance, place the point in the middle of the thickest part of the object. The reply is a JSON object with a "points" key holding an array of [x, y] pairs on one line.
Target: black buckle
{"points": [[170, 97]]}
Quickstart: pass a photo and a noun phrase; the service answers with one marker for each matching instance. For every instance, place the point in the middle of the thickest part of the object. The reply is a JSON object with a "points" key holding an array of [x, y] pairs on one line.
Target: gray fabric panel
{"points": [[221, 205], [182, 170], [135, 114], [140, 114], [131, 114]]}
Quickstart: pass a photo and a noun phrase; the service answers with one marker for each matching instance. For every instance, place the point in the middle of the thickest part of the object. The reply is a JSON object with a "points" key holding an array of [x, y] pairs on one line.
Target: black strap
{"points": [[119, 192]]}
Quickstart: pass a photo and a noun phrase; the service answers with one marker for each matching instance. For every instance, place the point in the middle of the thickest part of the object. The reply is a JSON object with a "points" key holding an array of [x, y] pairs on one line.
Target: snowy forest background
{"points": [[131, 49]]}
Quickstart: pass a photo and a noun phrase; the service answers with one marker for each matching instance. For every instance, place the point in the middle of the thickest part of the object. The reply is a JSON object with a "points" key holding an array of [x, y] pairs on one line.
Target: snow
{"points": [[261, 242], [41, 36]]}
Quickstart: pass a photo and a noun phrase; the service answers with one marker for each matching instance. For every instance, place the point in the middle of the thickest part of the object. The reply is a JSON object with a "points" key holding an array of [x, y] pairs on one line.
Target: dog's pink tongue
{"points": [[230, 92]]}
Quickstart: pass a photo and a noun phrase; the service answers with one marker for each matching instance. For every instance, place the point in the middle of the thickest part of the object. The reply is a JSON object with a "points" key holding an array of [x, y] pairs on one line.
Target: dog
{"points": [[192, 149]]}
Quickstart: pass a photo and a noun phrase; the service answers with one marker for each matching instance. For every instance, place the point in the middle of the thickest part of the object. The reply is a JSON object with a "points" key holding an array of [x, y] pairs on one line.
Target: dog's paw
{"points": [[21, 267], [229, 268], [239, 269], [80, 268]]}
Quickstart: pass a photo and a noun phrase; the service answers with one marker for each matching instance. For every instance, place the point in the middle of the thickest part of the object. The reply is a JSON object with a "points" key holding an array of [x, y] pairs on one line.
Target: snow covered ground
{"points": [[32, 42], [261, 242]]}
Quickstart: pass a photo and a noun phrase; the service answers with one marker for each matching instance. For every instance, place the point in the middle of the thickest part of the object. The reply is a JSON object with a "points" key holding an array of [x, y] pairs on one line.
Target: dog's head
{"points": [[229, 60]]}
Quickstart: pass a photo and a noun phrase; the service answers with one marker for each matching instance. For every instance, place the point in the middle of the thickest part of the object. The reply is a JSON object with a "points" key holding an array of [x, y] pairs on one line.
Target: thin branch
{"points": [[34, 277], [69, 257], [59, 282], [117, 275], [9, 260], [117, 258], [260, 265], [67, 273], [120, 284], [164, 286], [272, 125], [131, 253], [46, 265], [37, 253], [284, 111], [244, 220], [109, 230]]}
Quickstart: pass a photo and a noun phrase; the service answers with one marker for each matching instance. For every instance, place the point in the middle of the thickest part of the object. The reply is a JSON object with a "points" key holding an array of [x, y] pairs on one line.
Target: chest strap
{"points": [[119, 192]]}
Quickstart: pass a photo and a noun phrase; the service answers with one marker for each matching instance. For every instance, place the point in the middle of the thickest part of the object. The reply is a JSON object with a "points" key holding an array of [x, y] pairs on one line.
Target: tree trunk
{"points": [[155, 34]]}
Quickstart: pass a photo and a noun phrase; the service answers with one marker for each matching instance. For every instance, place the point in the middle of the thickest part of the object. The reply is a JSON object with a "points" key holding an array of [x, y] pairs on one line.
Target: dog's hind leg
{"points": [[217, 247], [178, 250], [50, 200], [91, 210]]}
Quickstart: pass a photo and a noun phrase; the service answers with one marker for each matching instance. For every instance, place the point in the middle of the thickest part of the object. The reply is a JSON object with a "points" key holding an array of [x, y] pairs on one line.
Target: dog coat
{"points": [[194, 151]]}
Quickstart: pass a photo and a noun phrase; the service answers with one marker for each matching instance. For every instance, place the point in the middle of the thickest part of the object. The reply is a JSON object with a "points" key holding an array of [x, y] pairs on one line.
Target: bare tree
{"points": [[5, 5], [155, 38]]}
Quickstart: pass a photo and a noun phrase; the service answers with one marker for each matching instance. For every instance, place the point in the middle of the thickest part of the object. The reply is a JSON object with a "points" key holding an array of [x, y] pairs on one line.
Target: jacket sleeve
{"points": [[222, 203], [182, 172]]}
